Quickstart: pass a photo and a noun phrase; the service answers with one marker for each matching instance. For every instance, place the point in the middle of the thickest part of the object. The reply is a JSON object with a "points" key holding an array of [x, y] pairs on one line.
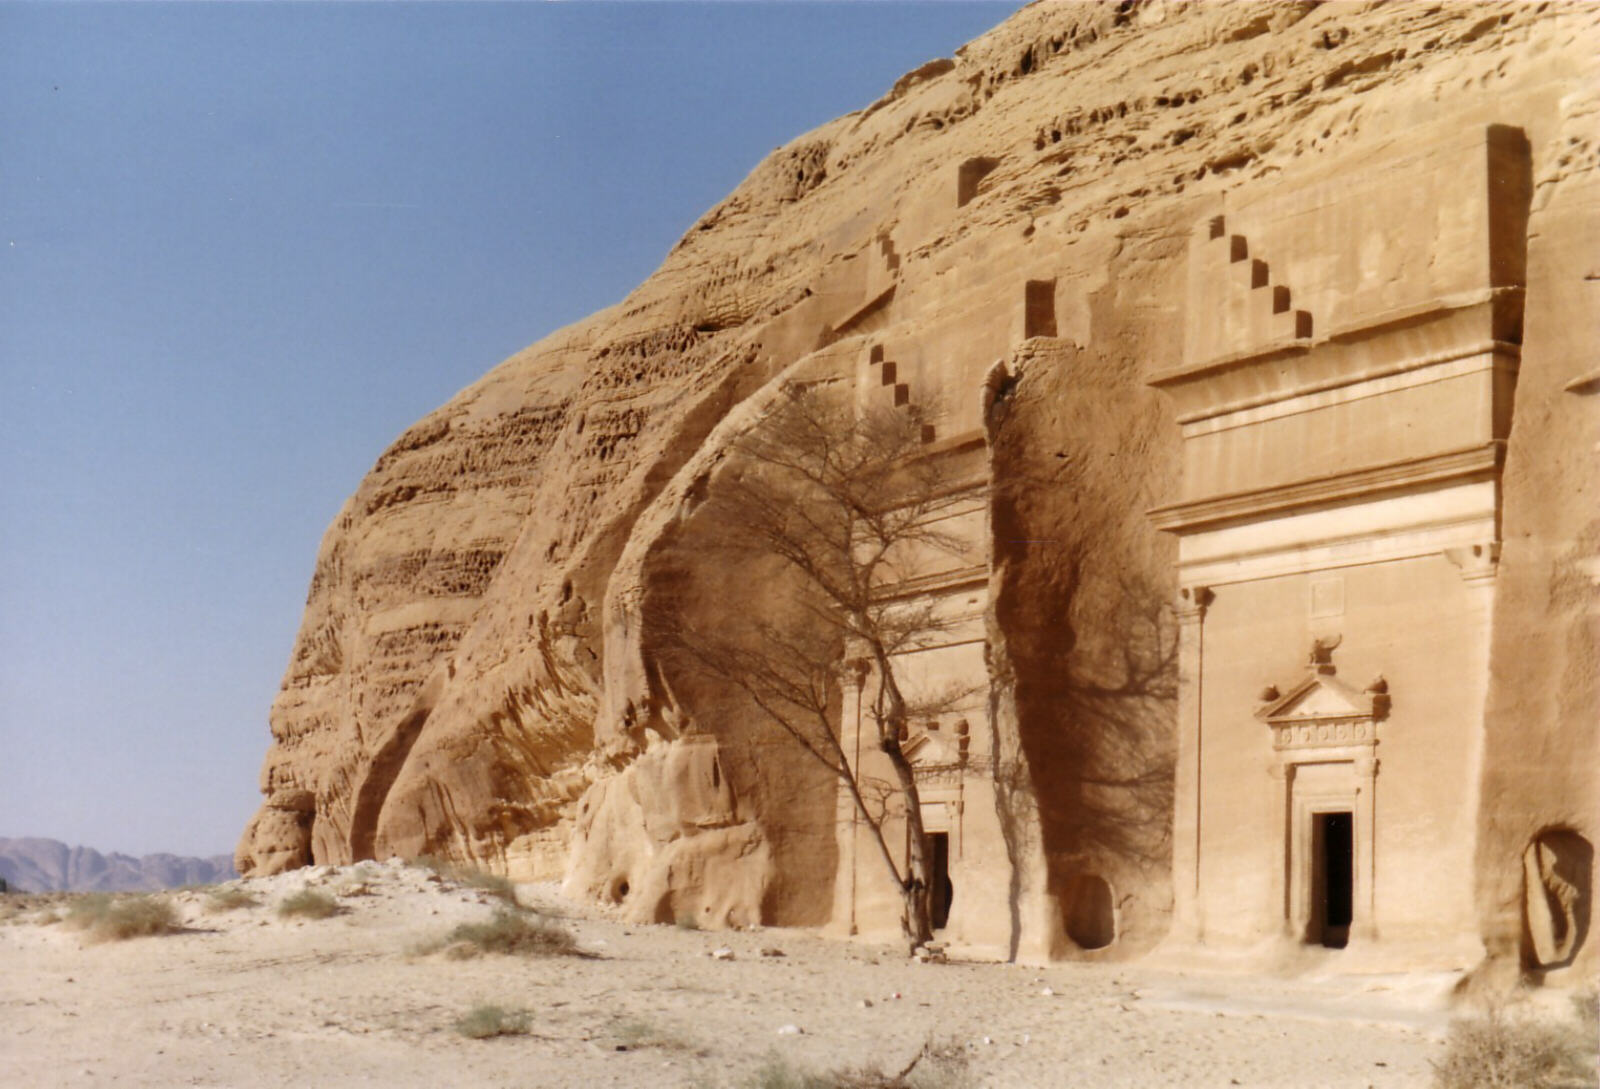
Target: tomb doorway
{"points": [[1333, 878], [943, 890]]}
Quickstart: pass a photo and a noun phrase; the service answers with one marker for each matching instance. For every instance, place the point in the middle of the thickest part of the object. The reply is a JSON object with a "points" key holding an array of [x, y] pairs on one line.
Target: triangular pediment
{"points": [[928, 749], [1318, 698]]}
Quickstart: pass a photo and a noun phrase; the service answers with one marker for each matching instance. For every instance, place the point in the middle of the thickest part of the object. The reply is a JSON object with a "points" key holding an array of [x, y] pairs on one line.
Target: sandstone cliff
{"points": [[475, 676]]}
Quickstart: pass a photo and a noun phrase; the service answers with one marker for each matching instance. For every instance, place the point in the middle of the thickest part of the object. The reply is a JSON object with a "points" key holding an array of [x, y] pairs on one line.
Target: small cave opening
{"points": [[1088, 912]]}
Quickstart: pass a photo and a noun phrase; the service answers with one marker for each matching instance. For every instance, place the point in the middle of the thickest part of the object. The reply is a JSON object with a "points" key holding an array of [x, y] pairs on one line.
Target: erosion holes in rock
{"points": [[617, 891], [1557, 877], [1089, 911]]}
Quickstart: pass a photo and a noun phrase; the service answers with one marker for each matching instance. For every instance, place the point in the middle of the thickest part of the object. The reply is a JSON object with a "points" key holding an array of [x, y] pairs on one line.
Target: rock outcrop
{"points": [[476, 676]]}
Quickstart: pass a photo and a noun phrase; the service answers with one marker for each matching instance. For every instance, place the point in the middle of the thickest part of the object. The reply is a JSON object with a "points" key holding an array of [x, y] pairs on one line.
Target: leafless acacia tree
{"points": [[843, 499]]}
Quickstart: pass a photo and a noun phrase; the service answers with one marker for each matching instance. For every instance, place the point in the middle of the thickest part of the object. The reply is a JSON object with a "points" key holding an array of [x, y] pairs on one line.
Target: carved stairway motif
{"points": [[1241, 308], [888, 379]]}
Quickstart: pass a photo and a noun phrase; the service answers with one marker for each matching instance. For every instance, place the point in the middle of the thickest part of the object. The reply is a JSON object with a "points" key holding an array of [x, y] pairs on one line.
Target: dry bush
{"points": [[636, 1034], [487, 1021], [495, 885], [229, 898], [110, 919], [37, 908], [499, 887], [1586, 1004], [308, 903], [512, 932], [1515, 1050], [936, 1066]]}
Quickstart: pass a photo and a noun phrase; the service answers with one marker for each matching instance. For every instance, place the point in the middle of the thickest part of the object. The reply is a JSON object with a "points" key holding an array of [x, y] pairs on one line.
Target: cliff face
{"points": [[474, 677]]}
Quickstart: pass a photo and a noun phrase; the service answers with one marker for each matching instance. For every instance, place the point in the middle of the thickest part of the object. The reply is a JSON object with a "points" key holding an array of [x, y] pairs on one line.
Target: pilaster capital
{"points": [[1192, 602], [1477, 563], [853, 672]]}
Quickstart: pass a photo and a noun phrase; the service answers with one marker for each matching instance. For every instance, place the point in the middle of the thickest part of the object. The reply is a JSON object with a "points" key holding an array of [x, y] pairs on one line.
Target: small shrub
{"points": [[107, 919], [687, 921], [513, 932], [495, 885], [229, 898], [486, 1022], [1501, 1050], [936, 1066], [1586, 1004], [430, 862], [777, 1073], [308, 903], [499, 887], [635, 1034]]}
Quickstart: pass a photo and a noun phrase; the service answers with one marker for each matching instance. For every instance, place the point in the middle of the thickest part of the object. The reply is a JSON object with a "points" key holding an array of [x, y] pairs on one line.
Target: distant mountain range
{"points": [[30, 864]]}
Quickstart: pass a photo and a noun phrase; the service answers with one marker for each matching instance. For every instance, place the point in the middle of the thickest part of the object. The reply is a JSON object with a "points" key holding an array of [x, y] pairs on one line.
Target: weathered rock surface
{"points": [[475, 676], [32, 864]]}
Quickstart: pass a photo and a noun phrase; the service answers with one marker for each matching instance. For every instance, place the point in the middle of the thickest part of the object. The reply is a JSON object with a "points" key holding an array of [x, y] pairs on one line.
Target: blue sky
{"points": [[242, 247]]}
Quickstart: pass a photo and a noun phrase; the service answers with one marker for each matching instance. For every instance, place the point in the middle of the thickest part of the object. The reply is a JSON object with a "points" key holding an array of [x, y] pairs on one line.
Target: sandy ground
{"points": [[245, 998]]}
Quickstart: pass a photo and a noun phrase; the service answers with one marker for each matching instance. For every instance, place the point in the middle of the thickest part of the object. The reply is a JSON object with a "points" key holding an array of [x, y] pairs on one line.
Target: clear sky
{"points": [[243, 247]]}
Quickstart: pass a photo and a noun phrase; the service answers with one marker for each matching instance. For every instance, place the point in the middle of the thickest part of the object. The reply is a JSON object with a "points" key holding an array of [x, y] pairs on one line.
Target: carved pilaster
{"points": [[1363, 921], [1191, 606], [1282, 787]]}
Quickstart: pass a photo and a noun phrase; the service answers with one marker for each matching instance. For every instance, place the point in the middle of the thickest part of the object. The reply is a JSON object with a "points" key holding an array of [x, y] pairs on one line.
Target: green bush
{"points": [[109, 919], [513, 932], [486, 1022], [1502, 1050], [308, 903]]}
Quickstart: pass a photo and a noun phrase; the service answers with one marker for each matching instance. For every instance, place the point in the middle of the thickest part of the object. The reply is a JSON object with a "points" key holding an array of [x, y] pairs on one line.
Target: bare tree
{"points": [[844, 499]]}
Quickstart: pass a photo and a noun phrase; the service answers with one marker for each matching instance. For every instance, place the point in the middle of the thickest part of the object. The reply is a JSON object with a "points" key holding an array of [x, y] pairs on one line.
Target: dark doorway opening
{"points": [[943, 890], [1332, 884]]}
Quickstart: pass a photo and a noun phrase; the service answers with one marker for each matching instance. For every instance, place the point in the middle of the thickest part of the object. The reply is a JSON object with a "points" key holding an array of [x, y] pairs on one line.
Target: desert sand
{"points": [[246, 998]]}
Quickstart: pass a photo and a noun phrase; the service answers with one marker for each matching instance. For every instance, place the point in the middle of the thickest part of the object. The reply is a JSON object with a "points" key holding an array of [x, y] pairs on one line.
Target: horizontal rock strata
{"points": [[476, 677]]}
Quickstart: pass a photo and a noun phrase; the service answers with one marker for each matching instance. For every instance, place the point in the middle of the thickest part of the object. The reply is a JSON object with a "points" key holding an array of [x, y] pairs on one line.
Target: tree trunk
{"points": [[917, 888]]}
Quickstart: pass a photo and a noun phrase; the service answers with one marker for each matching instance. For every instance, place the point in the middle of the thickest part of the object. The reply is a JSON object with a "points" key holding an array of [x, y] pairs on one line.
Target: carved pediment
{"points": [[1318, 698], [1321, 711], [931, 750]]}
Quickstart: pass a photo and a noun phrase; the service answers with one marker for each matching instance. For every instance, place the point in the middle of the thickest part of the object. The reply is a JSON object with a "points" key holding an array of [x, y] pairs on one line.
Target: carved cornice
{"points": [[1473, 462], [940, 582], [1375, 325]]}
